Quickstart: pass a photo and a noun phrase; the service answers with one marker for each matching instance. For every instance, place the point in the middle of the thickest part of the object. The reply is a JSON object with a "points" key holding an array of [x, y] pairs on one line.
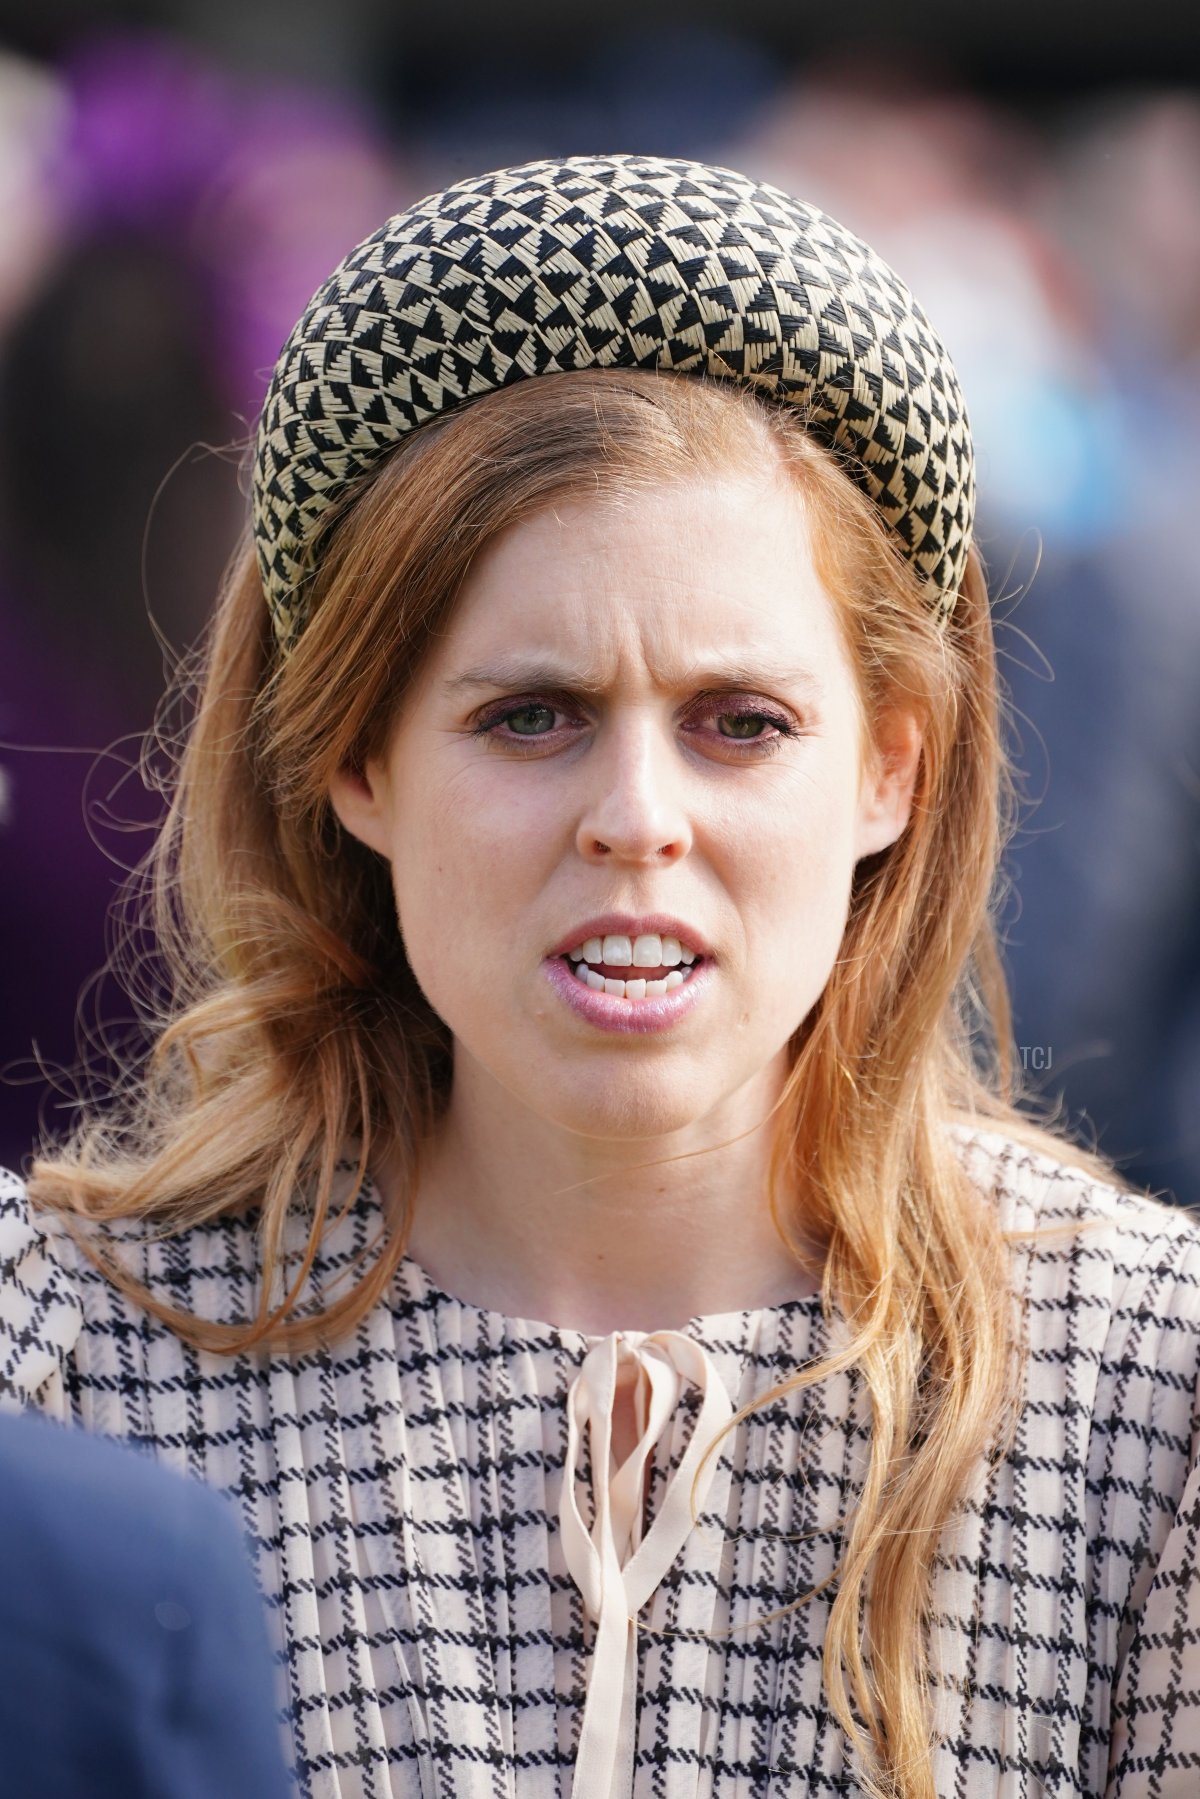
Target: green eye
{"points": [[743, 718], [529, 712], [743, 728]]}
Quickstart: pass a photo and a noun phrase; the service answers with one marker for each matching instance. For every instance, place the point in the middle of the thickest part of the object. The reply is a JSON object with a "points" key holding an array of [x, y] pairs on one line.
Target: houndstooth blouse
{"points": [[401, 1496]]}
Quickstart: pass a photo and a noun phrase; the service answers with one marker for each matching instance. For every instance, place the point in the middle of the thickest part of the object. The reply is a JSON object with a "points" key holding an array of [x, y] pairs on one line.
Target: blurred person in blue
{"points": [[134, 1660], [1104, 940], [1065, 276], [575, 1204]]}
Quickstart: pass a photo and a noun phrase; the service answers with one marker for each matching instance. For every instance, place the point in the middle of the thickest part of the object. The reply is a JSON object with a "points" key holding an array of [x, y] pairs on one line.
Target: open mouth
{"points": [[620, 981]]}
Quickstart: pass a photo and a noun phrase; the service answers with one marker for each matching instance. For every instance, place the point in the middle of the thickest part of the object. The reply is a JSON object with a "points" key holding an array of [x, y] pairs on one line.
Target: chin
{"points": [[621, 1106]]}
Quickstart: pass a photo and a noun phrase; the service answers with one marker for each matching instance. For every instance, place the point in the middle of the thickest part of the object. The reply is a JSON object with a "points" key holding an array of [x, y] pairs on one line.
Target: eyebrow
{"points": [[511, 672]]}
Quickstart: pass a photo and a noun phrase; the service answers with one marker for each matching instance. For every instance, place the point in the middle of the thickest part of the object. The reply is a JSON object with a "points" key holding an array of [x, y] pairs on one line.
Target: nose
{"points": [[633, 800]]}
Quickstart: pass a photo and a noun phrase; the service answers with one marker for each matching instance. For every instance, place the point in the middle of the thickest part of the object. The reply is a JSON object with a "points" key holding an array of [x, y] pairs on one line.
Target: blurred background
{"points": [[177, 178]]}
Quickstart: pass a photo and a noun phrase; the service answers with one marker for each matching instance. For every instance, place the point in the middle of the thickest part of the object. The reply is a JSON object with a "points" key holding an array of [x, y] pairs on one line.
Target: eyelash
{"points": [[747, 748]]}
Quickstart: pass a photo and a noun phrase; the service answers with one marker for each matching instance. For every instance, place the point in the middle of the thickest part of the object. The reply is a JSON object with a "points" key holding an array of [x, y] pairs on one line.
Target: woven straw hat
{"points": [[611, 262]]}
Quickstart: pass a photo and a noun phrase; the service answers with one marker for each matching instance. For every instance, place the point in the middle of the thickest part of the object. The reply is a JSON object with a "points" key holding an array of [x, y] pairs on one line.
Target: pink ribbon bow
{"points": [[614, 1566]]}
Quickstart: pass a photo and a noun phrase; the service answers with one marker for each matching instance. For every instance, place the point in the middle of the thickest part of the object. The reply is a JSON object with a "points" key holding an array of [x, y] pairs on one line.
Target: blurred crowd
{"points": [[163, 221]]}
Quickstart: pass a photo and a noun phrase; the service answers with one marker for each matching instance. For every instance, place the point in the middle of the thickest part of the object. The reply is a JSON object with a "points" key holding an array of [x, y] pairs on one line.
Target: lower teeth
{"points": [[636, 989]]}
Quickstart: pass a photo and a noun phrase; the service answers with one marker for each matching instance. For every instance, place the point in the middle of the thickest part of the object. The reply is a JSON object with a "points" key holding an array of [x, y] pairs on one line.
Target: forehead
{"points": [[716, 570]]}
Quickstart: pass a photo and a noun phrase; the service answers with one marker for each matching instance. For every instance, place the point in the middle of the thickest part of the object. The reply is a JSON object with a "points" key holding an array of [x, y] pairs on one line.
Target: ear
{"points": [[362, 801], [888, 782]]}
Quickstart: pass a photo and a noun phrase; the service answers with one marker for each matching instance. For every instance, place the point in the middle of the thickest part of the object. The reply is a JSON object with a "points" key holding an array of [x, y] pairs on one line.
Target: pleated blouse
{"points": [[401, 1496]]}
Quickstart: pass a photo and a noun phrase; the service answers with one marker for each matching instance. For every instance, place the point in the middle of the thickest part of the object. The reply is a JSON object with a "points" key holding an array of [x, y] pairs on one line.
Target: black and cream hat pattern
{"points": [[611, 262]]}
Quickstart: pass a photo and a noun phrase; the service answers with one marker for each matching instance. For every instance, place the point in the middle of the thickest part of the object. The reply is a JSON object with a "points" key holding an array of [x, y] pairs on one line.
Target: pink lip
{"points": [[634, 1016], [624, 924]]}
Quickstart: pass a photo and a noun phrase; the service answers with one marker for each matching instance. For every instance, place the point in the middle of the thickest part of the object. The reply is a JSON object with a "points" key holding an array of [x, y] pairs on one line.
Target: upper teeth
{"points": [[650, 951]]}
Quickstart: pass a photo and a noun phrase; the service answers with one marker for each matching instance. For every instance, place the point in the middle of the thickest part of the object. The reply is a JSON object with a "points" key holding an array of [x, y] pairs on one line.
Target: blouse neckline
{"points": [[710, 1327]]}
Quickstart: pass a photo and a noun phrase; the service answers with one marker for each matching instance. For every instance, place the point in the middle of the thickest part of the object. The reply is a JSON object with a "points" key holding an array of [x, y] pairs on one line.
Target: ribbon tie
{"points": [[615, 1568]]}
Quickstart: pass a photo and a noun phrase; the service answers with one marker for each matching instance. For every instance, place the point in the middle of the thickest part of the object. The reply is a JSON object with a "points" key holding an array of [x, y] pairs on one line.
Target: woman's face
{"points": [[638, 709]]}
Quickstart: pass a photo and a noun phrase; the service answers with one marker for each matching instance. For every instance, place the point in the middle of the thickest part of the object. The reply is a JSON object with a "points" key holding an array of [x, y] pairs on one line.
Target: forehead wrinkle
{"points": [[663, 606], [518, 669]]}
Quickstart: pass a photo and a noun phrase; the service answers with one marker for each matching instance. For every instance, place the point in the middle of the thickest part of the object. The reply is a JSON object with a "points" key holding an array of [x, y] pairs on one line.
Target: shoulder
{"points": [[1095, 1506], [1071, 1229], [65, 1326], [1108, 1282], [40, 1310]]}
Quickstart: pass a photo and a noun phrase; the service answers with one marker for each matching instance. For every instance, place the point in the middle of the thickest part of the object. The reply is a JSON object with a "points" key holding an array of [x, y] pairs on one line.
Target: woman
{"points": [[576, 887]]}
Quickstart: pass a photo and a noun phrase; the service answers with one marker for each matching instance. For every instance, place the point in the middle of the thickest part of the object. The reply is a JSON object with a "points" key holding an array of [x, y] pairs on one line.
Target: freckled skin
{"points": [[636, 798]]}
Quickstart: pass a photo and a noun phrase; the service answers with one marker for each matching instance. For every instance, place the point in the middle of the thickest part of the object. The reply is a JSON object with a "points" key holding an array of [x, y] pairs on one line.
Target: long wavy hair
{"points": [[292, 1026]]}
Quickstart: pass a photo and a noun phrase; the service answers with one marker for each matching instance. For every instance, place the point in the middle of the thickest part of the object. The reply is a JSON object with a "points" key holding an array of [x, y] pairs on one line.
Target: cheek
{"points": [[798, 894], [466, 876], [804, 846]]}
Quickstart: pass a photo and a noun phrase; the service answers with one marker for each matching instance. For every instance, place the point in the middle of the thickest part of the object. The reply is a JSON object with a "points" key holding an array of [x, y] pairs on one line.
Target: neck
{"points": [[518, 1215]]}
